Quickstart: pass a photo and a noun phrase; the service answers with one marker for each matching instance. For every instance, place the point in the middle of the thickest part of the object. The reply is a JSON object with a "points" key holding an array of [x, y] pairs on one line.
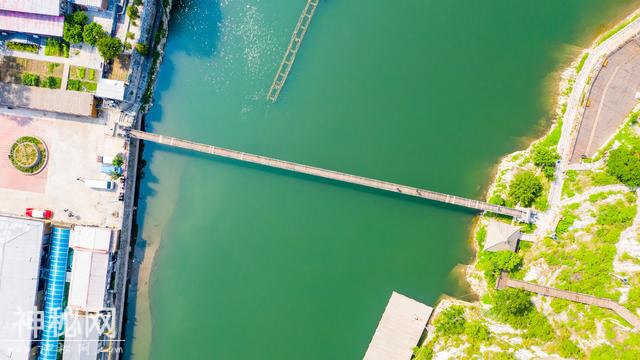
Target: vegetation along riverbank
{"points": [[585, 241]]}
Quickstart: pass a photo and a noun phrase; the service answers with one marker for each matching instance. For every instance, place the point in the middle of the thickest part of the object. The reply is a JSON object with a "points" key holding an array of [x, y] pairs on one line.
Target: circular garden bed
{"points": [[28, 155]]}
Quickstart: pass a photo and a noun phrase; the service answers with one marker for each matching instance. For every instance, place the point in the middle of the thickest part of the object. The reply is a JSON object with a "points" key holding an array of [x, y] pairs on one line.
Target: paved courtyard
{"points": [[611, 100], [73, 149]]}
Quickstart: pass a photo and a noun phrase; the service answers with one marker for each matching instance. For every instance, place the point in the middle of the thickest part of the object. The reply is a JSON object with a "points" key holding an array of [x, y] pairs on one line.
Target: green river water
{"points": [[261, 264]]}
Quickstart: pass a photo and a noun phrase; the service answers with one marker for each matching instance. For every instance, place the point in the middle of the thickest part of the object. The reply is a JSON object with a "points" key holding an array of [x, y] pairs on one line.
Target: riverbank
{"points": [[552, 327]]}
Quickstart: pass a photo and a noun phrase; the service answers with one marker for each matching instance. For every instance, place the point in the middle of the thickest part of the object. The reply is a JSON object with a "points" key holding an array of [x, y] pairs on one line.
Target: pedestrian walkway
{"points": [[65, 77], [504, 282]]}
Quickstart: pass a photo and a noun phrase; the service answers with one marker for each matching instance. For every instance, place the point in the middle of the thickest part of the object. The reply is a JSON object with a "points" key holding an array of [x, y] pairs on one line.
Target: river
{"points": [[262, 264]]}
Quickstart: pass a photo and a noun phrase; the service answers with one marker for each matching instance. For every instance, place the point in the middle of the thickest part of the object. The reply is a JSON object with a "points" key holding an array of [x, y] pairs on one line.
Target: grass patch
{"points": [[583, 59], [16, 46], [78, 85]]}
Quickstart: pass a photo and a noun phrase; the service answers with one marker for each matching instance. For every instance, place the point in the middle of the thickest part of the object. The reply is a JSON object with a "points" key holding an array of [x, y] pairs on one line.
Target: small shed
{"points": [[111, 89], [501, 236]]}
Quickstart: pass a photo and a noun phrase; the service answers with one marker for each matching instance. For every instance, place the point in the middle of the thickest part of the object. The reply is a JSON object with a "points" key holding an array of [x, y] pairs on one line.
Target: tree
{"points": [[451, 321], [92, 33], [118, 160], [525, 188], [493, 263], [545, 158], [624, 164], [511, 304], [73, 27], [137, 2], [109, 47]]}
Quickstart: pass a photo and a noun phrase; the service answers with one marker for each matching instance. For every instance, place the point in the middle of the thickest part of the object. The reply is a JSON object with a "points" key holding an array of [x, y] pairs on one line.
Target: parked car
{"points": [[39, 213]]}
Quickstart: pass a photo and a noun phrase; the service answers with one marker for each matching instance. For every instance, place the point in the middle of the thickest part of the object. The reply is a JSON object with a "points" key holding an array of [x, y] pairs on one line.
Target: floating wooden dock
{"points": [[504, 281], [520, 214], [400, 329], [292, 50]]}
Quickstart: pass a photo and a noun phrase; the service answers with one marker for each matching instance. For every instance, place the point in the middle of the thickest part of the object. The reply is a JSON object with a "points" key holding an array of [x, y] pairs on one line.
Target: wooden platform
{"points": [[403, 323], [520, 214]]}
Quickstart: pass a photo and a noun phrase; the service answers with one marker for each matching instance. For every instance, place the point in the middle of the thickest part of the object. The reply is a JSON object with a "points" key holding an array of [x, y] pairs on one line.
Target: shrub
{"points": [[525, 188], [80, 72], [92, 74], [133, 12], [109, 47], [477, 331], [12, 45], [137, 2], [118, 160], [52, 82], [142, 49], [54, 47], [624, 164], [130, 35], [451, 321], [92, 33], [545, 158], [481, 235], [30, 79], [493, 263]]}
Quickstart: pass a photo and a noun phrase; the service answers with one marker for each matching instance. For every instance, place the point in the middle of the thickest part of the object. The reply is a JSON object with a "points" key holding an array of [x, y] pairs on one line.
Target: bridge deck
{"points": [[523, 215], [292, 50]]}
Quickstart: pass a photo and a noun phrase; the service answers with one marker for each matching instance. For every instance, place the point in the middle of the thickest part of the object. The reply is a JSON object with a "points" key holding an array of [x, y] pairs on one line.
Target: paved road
{"points": [[546, 221]]}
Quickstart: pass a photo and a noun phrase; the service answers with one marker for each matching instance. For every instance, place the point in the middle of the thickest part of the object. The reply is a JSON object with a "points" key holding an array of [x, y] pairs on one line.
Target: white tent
{"points": [[88, 280], [501, 236], [91, 239]]}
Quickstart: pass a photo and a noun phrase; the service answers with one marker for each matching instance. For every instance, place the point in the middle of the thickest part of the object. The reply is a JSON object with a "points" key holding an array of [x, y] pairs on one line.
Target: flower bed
{"points": [[28, 155]]}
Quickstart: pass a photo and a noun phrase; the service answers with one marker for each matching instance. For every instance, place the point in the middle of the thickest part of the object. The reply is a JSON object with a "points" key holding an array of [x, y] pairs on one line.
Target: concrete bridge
{"points": [[519, 214]]}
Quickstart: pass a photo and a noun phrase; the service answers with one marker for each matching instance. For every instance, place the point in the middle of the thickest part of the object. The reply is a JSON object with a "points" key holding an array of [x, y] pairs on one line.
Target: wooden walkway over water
{"points": [[504, 282], [520, 214], [292, 50]]}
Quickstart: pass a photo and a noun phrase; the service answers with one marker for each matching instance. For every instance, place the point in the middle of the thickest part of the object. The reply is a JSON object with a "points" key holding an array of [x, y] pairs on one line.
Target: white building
{"points": [[90, 268], [20, 257]]}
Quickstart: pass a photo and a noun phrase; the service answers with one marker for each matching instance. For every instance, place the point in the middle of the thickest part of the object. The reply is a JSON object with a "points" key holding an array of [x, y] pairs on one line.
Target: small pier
{"points": [[504, 282], [403, 322], [292, 50], [519, 214]]}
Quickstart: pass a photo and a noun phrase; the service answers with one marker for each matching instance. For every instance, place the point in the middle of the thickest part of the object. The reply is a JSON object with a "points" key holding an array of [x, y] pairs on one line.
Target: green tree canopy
{"points": [[492, 263], [512, 303], [109, 47], [451, 321], [624, 164], [73, 27], [525, 188], [92, 33], [545, 158]]}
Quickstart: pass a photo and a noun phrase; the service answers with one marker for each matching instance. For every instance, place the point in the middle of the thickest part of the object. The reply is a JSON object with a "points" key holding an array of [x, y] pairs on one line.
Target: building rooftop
{"points": [[402, 324], [102, 4], [501, 236], [111, 89], [81, 338], [20, 253], [43, 7], [60, 101], [91, 238], [88, 281], [46, 25]]}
